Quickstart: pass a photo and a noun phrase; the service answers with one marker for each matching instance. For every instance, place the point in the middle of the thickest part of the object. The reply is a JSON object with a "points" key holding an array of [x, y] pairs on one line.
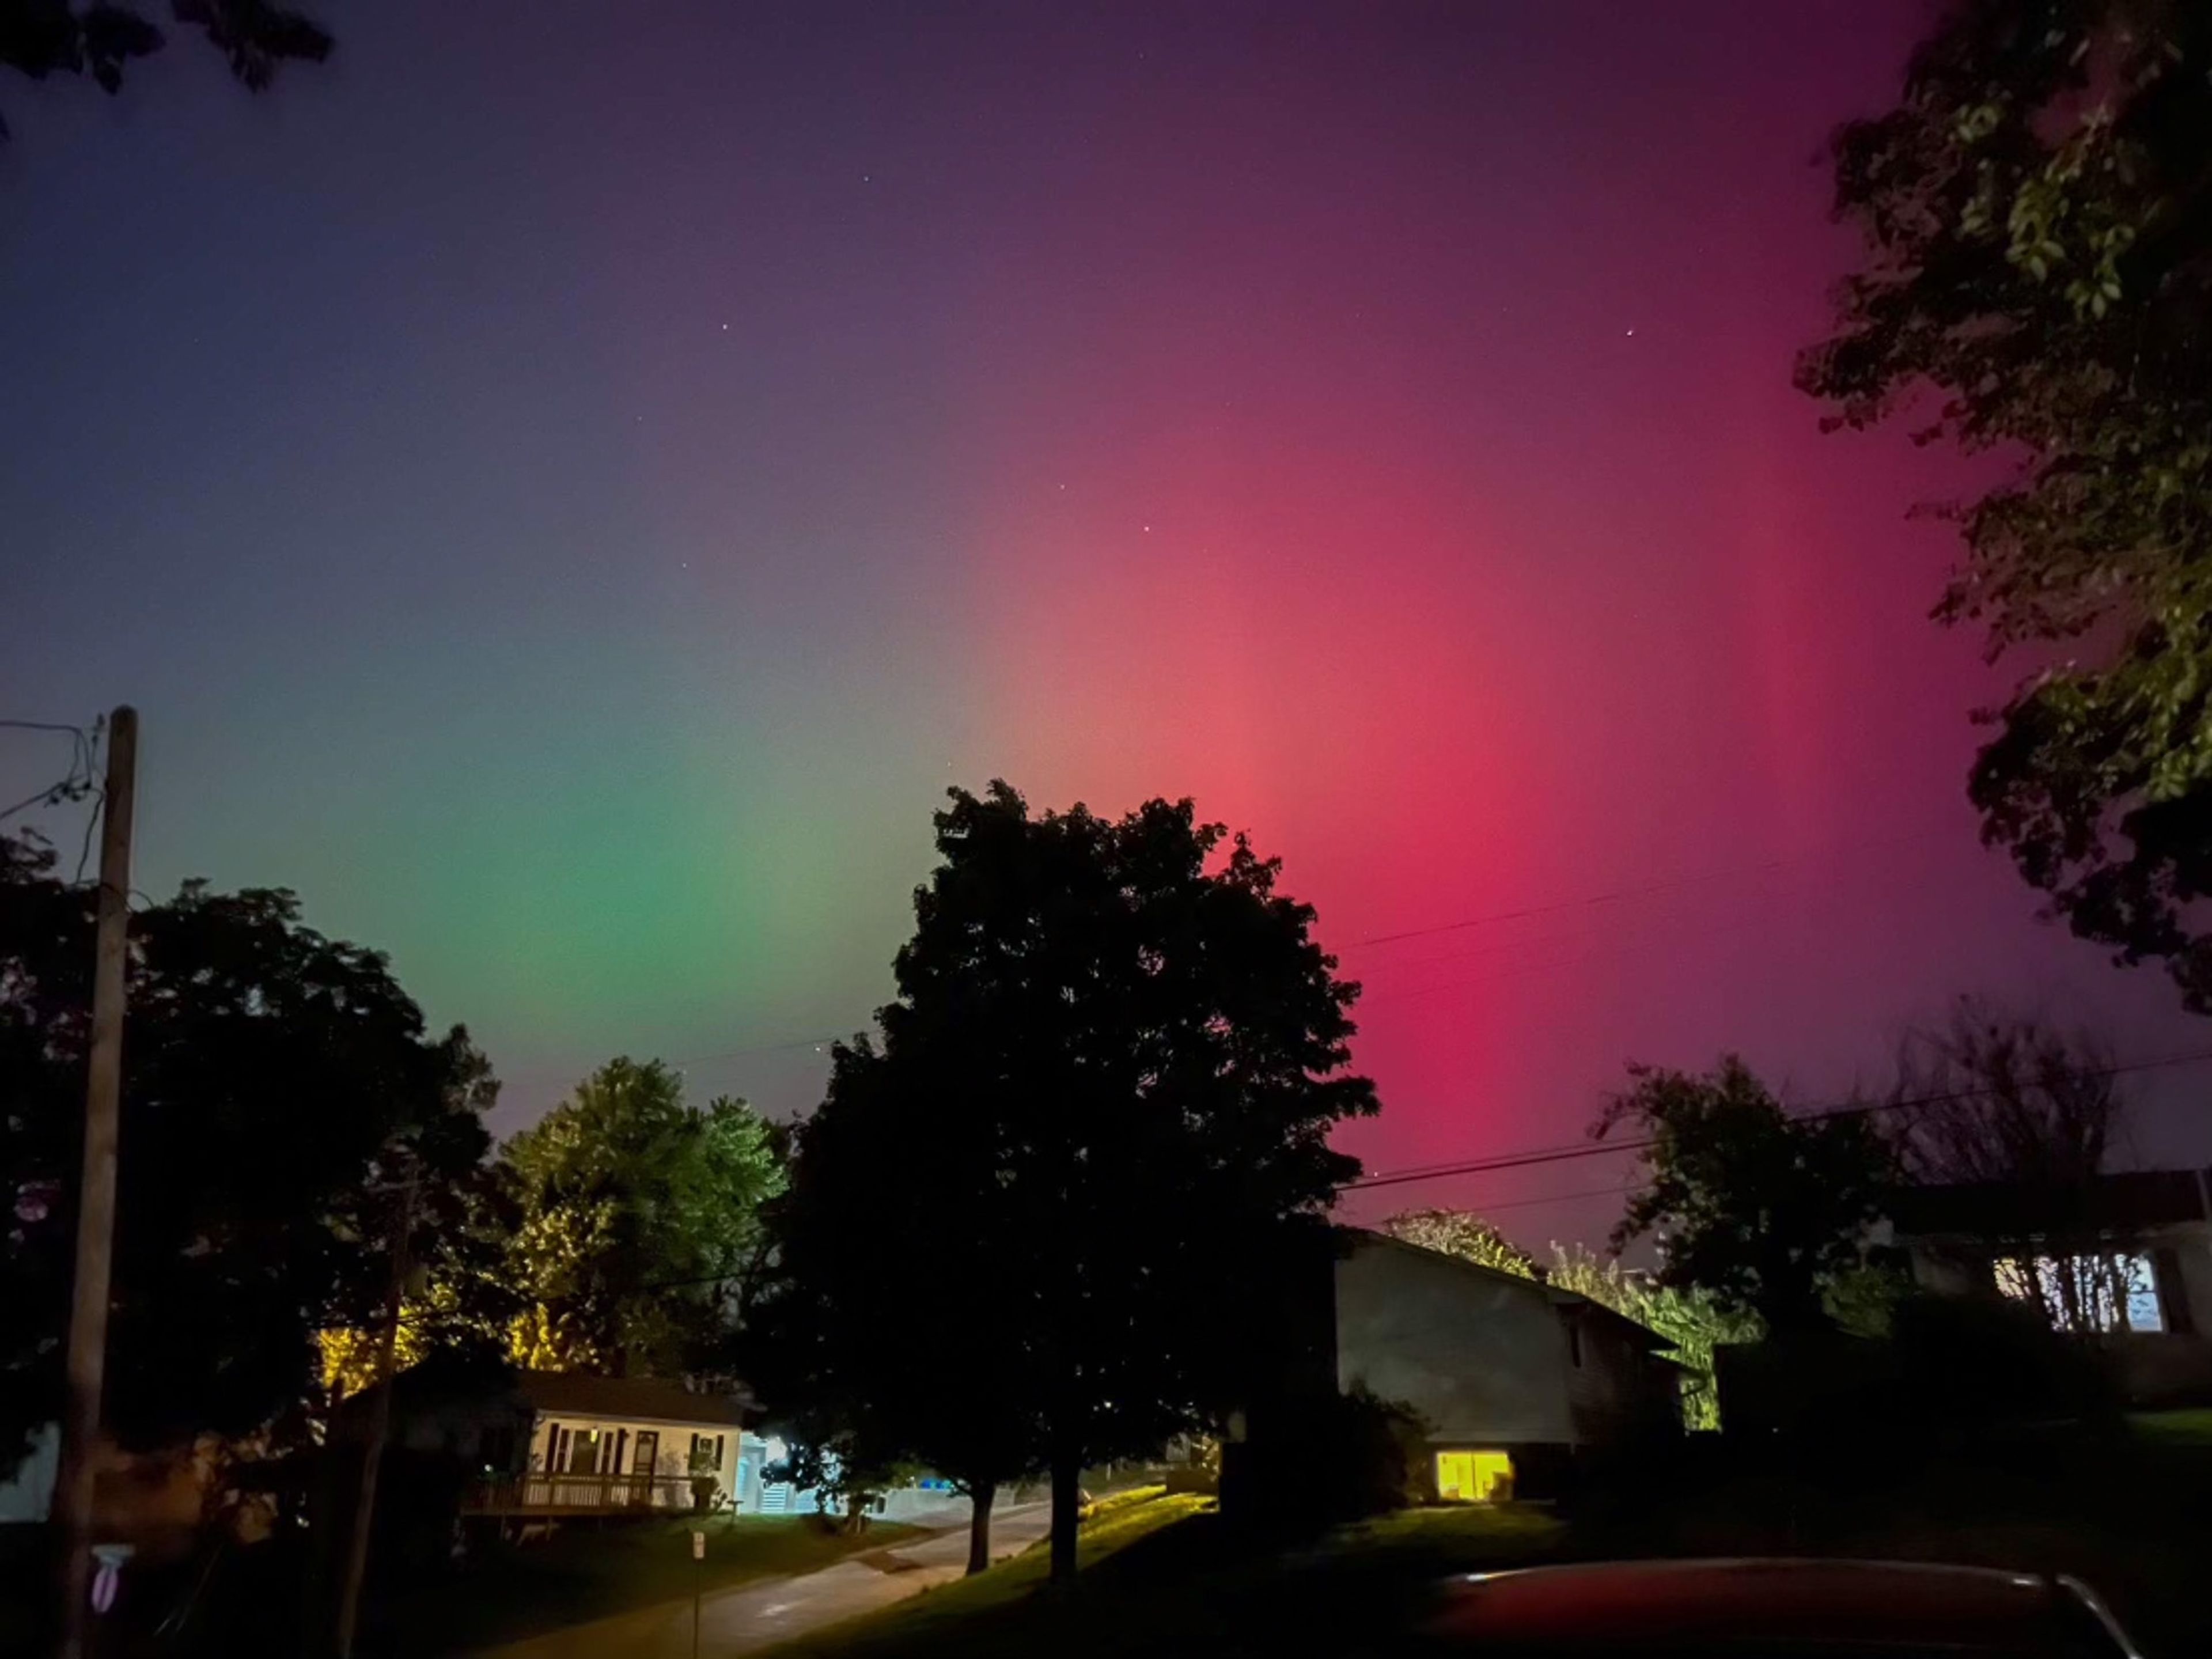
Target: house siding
{"points": [[1481, 1356]]}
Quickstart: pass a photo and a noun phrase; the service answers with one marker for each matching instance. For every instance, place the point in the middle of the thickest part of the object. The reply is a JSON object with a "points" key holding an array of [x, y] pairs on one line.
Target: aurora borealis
{"points": [[568, 495]]}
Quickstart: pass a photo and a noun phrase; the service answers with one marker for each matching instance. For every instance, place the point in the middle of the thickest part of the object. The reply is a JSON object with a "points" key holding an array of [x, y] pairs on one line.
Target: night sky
{"points": [[569, 485]]}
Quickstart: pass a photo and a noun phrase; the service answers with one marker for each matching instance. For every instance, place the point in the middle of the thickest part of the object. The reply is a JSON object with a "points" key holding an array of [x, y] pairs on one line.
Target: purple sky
{"points": [[568, 485]]}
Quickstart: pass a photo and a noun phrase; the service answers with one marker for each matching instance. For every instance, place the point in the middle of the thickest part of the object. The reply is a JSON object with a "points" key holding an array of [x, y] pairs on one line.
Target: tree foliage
{"points": [[1099, 1111], [1765, 1213], [2005, 1098], [2037, 217], [276, 1085], [638, 1223], [44, 38], [1464, 1234], [1691, 1320]]}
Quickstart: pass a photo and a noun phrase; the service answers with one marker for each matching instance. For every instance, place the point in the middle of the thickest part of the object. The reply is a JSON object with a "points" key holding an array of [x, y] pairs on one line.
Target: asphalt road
{"points": [[750, 1617]]}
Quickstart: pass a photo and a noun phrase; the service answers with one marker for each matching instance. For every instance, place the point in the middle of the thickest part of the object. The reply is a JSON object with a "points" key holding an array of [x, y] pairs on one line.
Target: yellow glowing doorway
{"points": [[1474, 1477]]}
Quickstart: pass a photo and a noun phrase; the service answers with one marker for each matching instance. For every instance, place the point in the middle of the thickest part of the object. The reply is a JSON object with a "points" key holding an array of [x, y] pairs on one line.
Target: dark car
{"points": [[1801, 1609]]}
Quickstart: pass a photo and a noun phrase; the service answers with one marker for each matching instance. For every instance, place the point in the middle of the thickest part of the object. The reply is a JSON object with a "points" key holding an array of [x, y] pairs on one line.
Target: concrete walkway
{"points": [[750, 1617]]}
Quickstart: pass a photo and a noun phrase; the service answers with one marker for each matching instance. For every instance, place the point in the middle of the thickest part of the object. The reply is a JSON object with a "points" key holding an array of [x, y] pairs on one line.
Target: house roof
{"points": [[1583, 1305], [552, 1392], [2110, 1203]]}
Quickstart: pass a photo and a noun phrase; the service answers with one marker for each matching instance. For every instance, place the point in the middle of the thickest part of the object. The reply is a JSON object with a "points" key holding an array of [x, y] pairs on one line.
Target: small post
{"points": [[698, 1580], [95, 1215]]}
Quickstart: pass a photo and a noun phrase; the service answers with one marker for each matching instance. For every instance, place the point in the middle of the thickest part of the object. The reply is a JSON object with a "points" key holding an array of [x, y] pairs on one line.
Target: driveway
{"points": [[749, 1617]]}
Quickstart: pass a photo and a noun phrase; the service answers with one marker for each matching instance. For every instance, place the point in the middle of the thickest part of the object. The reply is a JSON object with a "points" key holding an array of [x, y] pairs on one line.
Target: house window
{"points": [[706, 1454], [1474, 1477], [2084, 1293], [584, 1448]]}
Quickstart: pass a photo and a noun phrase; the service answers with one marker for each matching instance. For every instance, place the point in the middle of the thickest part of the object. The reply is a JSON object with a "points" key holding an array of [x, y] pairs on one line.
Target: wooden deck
{"points": [[578, 1494]]}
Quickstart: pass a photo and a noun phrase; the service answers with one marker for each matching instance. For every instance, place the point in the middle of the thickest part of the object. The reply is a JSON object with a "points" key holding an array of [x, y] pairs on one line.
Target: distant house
{"points": [[2127, 1258], [547, 1445], [1508, 1379], [620, 1442], [565, 1443]]}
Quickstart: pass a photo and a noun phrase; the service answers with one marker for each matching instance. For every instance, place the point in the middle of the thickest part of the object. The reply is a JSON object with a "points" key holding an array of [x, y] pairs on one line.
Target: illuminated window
{"points": [[2097, 1293], [1474, 1477]]}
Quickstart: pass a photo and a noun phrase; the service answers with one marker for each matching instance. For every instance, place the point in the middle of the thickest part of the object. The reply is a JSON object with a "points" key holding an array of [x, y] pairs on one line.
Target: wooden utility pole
{"points": [[95, 1210], [380, 1420]]}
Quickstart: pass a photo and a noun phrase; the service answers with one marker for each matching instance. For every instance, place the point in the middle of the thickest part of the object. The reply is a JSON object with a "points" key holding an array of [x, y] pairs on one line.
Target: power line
{"points": [[1614, 896], [76, 784], [1560, 1198], [1533, 1156]]}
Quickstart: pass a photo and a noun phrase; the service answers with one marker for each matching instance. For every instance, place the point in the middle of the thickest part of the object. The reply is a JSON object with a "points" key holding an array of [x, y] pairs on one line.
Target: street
{"points": [[750, 1617]]}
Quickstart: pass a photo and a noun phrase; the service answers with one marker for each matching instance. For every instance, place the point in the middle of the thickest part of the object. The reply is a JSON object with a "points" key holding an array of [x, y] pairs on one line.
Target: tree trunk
{"points": [[1066, 1499], [979, 1526]]}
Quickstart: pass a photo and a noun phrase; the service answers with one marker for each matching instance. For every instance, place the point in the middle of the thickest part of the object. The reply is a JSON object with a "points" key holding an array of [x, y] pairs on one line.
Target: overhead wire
{"points": [[1505, 949], [1612, 896], [77, 783], [1600, 1148]]}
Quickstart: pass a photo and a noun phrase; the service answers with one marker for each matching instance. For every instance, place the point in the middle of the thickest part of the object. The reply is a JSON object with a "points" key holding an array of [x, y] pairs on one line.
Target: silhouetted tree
{"points": [[889, 1335], [638, 1219], [1765, 1211], [275, 1083], [43, 38], [2011, 1102], [1112, 1070], [2038, 212]]}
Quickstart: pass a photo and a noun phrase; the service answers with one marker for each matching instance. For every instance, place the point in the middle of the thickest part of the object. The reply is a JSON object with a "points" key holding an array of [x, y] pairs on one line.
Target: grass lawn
{"points": [[947, 1617], [585, 1572], [2183, 1428], [1165, 1576], [2124, 1510]]}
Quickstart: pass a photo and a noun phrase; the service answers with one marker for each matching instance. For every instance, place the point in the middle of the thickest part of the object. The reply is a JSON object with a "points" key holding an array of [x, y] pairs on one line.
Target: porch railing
{"points": [[577, 1494]]}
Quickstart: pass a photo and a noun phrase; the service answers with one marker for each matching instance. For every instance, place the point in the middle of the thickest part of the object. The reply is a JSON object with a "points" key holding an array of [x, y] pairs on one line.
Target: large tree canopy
{"points": [[2038, 216], [275, 1085], [891, 1330], [43, 38], [1098, 1117], [639, 1222], [1764, 1212]]}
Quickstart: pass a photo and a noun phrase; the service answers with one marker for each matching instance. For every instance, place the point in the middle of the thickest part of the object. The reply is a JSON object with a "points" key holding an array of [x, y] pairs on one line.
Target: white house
{"points": [[654, 1438]]}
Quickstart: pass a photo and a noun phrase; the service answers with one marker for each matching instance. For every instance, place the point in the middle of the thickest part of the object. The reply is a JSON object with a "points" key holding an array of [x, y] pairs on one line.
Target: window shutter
{"points": [[552, 1447]]}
